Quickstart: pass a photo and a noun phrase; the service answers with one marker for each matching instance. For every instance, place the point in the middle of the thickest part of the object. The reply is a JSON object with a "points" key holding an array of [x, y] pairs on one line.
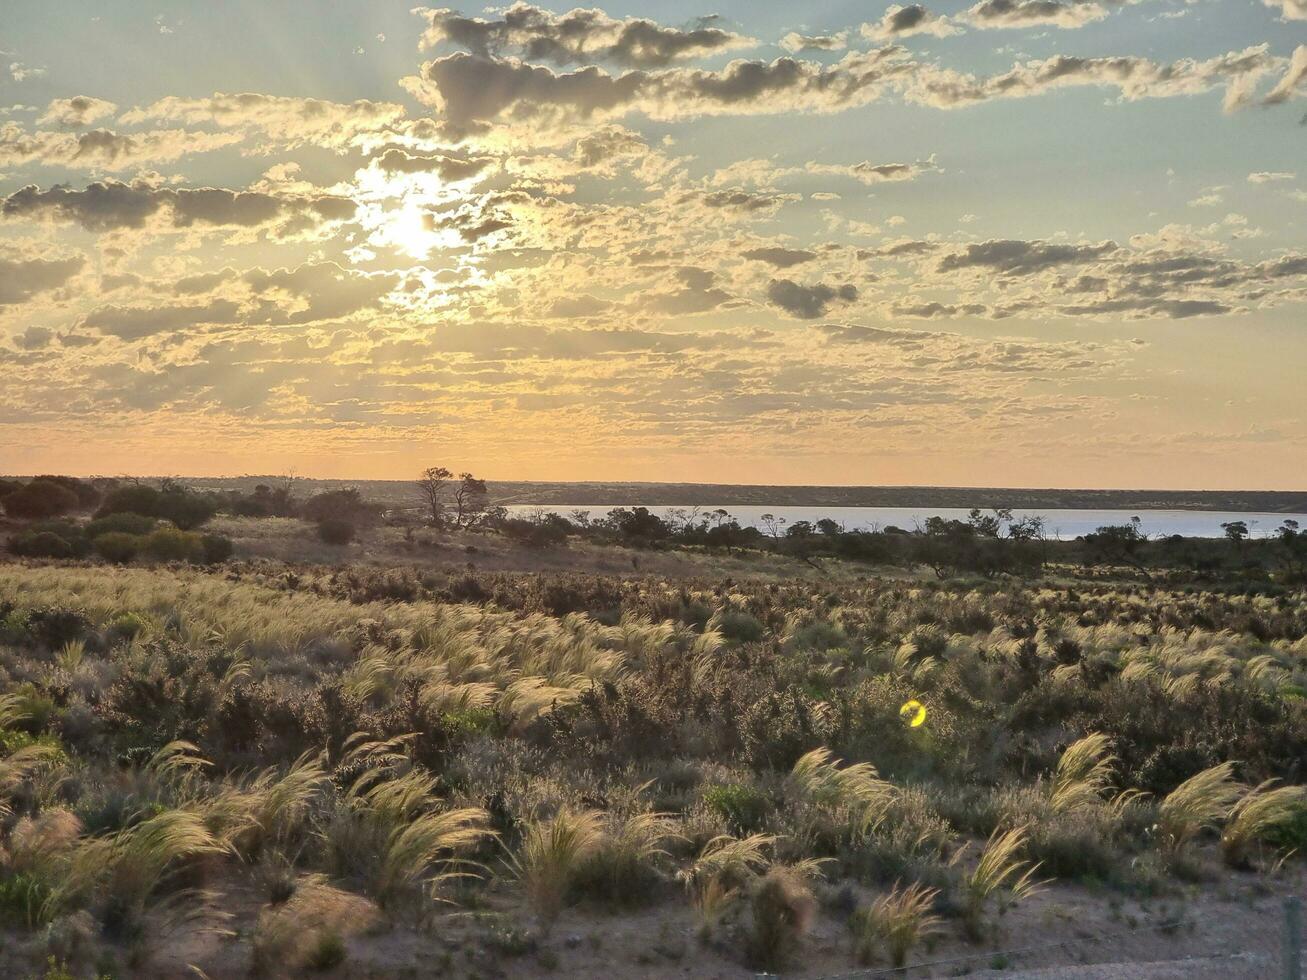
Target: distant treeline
{"points": [[399, 493], [162, 521]]}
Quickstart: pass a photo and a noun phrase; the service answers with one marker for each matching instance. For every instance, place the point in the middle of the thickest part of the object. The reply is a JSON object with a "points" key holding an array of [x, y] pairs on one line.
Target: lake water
{"points": [[1058, 523]]}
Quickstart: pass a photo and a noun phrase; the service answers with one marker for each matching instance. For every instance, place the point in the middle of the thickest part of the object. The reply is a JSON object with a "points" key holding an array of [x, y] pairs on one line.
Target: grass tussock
{"points": [[1000, 874], [1202, 802], [895, 923]]}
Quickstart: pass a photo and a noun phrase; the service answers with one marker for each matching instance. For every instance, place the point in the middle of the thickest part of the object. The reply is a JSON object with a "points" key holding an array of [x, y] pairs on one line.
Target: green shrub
{"points": [[182, 507], [741, 627], [171, 544], [336, 532], [117, 547], [327, 953], [40, 544], [125, 626], [23, 902], [743, 807], [39, 499], [217, 548], [122, 523]]}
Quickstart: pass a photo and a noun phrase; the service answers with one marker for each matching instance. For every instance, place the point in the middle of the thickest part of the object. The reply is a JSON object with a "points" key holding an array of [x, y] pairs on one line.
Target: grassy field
{"points": [[446, 755]]}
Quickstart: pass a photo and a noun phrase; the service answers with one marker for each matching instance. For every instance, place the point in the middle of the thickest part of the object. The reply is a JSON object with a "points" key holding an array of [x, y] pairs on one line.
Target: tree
{"points": [[1236, 532], [772, 525], [1293, 550], [1116, 544], [470, 498], [431, 489]]}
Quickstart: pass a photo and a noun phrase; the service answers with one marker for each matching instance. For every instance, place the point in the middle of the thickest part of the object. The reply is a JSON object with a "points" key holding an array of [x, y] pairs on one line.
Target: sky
{"points": [[1038, 243]]}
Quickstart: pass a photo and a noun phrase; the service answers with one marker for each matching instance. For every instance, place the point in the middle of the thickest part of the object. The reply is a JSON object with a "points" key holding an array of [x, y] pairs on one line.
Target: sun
{"points": [[408, 229]]}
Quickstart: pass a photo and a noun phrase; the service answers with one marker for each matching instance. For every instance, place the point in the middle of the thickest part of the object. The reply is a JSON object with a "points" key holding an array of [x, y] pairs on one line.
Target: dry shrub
{"points": [[783, 910]]}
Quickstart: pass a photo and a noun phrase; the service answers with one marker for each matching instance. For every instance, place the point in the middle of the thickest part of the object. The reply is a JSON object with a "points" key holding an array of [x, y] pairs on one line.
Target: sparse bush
{"points": [[743, 807], [121, 523], [217, 549]]}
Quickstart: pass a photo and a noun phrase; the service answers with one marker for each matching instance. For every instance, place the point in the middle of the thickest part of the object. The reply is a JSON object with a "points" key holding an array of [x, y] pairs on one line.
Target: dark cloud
{"points": [[596, 149], [136, 322], [1295, 76], [905, 21], [1134, 77], [839, 333], [576, 37], [808, 302], [23, 278], [794, 42], [694, 291], [902, 248], [1035, 13], [34, 338], [934, 310], [743, 201], [110, 205], [1021, 258], [471, 90], [449, 168], [80, 110], [780, 258]]}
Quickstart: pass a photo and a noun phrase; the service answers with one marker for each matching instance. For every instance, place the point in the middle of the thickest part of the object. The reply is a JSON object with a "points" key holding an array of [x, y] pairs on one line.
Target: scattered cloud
{"points": [[794, 42], [1289, 9], [77, 112]]}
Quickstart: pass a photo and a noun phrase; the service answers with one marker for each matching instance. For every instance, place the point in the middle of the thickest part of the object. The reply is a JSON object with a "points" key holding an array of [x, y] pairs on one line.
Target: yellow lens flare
{"points": [[914, 713]]}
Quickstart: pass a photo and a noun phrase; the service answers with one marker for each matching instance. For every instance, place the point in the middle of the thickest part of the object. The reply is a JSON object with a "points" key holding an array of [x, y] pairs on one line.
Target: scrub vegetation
{"points": [[407, 769]]}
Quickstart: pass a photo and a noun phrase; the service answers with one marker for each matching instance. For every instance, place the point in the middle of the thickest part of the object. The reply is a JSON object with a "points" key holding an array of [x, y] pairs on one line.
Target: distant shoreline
{"points": [[630, 493]]}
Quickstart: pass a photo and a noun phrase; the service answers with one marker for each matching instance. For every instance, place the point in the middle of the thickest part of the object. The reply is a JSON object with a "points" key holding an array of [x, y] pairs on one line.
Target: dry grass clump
{"points": [[896, 922], [999, 872], [392, 830], [623, 866], [309, 930], [857, 789], [1200, 803], [715, 878], [551, 857], [1262, 810], [1084, 774]]}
